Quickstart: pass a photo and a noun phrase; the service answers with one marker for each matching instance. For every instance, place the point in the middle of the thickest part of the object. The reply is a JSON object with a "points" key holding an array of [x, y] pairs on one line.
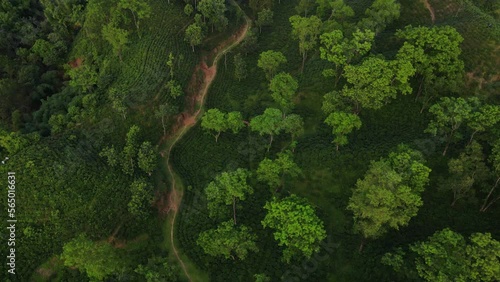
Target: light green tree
{"points": [[194, 35], [296, 226], [336, 10], [283, 89], [147, 158], [448, 116], [228, 241], [98, 260], [273, 172], [226, 189], [343, 123], [270, 123], [306, 30], [389, 194], [117, 37], [269, 61], [215, 120], [483, 119], [293, 124], [140, 10], [141, 199]]}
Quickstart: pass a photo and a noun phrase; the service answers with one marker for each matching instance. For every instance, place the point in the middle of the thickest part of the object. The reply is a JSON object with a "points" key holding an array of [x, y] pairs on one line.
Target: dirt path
{"points": [[187, 120], [431, 10]]}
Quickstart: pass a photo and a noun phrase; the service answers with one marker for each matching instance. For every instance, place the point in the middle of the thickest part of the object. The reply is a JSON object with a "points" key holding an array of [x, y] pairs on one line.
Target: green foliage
{"points": [[142, 198], [273, 172], [261, 277], [483, 118], [163, 112], [217, 121], [446, 256], [380, 14], [389, 195], [188, 9], [306, 30], [228, 241], [111, 155], [130, 150], [284, 87], [304, 6], [264, 18], [226, 189], [259, 5], [449, 115], [343, 124], [294, 125], [296, 226], [147, 158], [140, 10], [240, 67], [158, 269], [83, 77], [335, 9], [214, 10], [270, 122], [98, 260], [269, 62], [194, 35], [117, 37]]}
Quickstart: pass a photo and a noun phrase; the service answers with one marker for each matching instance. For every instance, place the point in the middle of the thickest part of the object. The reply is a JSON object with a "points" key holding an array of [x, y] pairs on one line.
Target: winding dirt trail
{"points": [[431, 10], [188, 119]]}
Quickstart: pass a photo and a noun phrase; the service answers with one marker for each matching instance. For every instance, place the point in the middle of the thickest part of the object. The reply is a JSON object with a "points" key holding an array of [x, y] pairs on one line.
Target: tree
{"points": [[264, 18], [495, 161], [226, 189], [164, 111], [389, 194], [380, 14], [446, 256], [306, 30], [259, 5], [466, 171], [111, 155], [217, 121], [214, 10], [284, 87], [483, 119], [118, 101], [98, 260], [339, 50], [343, 124], [273, 172], [194, 35], [261, 277], [294, 125], [304, 6], [270, 122], [174, 88], [147, 158], [449, 114], [338, 10], [188, 9], [117, 37], [158, 269], [140, 9], [375, 81], [269, 61], [141, 199], [296, 226], [435, 54], [84, 77], [228, 241], [240, 67], [130, 150]]}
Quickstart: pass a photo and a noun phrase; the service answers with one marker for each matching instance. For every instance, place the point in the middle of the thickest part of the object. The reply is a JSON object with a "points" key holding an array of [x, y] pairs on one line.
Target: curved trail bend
{"points": [[188, 120]]}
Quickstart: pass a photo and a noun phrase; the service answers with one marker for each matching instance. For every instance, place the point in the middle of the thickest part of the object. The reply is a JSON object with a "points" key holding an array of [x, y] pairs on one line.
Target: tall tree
{"points": [[217, 121], [228, 241], [259, 5], [130, 150], [389, 194], [98, 260], [335, 9], [147, 158], [158, 269], [141, 199], [264, 18], [495, 161], [306, 30], [270, 123], [214, 10], [304, 7], [294, 125], [273, 172], [284, 87], [194, 35], [163, 112], [483, 119], [226, 189], [466, 171], [269, 61], [380, 14], [343, 124], [140, 10], [296, 225], [435, 54], [449, 114]]}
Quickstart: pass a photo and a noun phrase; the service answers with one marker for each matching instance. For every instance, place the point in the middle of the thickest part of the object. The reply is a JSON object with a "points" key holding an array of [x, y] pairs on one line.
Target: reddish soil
{"points": [[76, 63]]}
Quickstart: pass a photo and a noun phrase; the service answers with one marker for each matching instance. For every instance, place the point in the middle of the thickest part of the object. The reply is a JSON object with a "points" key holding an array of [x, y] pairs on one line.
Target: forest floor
{"points": [[187, 120], [431, 10]]}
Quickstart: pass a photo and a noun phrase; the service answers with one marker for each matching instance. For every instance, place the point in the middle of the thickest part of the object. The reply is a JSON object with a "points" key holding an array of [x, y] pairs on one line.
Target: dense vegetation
{"points": [[340, 140]]}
